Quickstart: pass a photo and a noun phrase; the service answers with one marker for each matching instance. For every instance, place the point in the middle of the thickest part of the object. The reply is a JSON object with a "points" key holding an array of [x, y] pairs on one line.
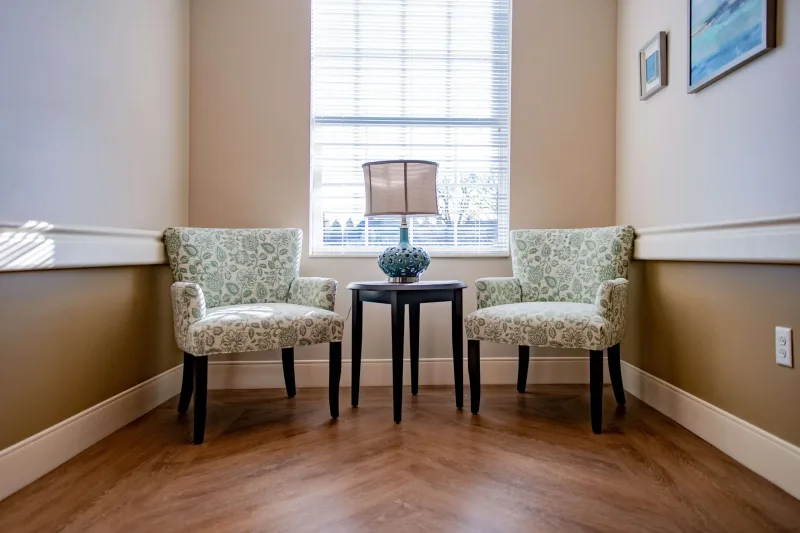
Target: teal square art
{"points": [[651, 67], [653, 61]]}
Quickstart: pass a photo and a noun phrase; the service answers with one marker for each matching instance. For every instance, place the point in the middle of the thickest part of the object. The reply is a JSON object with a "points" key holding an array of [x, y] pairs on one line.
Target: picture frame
{"points": [[725, 35], [653, 66]]}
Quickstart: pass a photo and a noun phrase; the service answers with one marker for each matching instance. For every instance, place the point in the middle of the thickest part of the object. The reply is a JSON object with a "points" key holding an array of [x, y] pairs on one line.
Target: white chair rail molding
{"points": [[760, 240], [38, 245]]}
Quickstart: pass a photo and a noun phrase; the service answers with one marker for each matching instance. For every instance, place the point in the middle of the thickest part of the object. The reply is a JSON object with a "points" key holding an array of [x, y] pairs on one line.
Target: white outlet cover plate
{"points": [[783, 346]]}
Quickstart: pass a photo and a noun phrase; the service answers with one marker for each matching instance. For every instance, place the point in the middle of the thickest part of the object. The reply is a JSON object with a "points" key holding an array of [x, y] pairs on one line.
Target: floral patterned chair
{"points": [[239, 290], [569, 290]]}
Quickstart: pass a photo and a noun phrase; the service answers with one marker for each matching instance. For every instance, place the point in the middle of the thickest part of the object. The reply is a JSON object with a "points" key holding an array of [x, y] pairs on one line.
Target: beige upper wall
{"points": [[94, 107], [729, 152], [562, 113], [250, 79]]}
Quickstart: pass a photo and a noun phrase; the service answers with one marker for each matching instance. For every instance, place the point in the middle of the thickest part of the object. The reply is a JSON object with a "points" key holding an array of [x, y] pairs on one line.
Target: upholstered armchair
{"points": [[239, 290], [569, 290]]}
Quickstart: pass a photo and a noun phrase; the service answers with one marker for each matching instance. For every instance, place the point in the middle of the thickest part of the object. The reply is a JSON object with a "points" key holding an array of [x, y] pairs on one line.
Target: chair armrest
{"points": [[313, 292], [188, 306], [498, 291], [612, 302]]}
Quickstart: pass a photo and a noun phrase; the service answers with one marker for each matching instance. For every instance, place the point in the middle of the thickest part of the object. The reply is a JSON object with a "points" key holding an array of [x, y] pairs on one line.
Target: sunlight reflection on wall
{"points": [[27, 247]]}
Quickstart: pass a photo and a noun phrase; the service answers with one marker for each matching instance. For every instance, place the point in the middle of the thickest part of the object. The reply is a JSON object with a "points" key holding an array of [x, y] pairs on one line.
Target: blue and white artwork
{"points": [[724, 34], [651, 67]]}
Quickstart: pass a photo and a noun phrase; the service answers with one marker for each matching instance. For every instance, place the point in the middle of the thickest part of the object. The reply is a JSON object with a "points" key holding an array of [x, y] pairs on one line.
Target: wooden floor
{"points": [[527, 463]]}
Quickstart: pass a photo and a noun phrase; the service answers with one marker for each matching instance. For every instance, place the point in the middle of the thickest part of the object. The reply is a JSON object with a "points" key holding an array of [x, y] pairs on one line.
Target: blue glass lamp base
{"points": [[404, 263]]}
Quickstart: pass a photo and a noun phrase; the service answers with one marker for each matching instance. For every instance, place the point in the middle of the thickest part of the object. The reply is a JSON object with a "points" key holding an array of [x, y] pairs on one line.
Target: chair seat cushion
{"points": [[543, 324], [255, 327]]}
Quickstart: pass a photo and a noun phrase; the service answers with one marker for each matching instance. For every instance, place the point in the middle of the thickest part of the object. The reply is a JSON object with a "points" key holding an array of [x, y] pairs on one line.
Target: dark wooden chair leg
{"points": [[457, 326], [187, 385], [200, 398], [413, 326], [522, 372], [398, 319], [596, 388], [474, 369], [615, 373], [334, 376], [358, 307], [287, 355]]}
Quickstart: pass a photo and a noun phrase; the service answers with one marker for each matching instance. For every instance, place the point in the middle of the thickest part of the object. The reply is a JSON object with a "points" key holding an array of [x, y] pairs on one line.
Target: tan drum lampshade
{"points": [[401, 188]]}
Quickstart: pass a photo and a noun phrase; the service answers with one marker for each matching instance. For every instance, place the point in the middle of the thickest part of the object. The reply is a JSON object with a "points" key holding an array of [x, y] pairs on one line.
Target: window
{"points": [[411, 79]]}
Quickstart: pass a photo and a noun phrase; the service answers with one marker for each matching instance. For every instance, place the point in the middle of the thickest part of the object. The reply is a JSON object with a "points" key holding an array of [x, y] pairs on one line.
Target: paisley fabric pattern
{"points": [[569, 265], [497, 291], [188, 306], [611, 303], [313, 292], [255, 327], [568, 291], [238, 290], [546, 324], [235, 266]]}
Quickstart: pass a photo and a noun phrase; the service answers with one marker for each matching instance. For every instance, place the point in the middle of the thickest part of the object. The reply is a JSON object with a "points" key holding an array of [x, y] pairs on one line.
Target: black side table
{"points": [[398, 295]]}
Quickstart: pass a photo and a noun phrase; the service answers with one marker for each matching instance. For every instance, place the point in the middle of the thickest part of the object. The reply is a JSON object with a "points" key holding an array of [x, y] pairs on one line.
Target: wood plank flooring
{"points": [[529, 462]]}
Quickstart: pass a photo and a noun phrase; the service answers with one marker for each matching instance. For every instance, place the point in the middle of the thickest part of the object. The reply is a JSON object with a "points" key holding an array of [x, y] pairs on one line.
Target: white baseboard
{"points": [[36, 245], [378, 372], [765, 454], [763, 240], [35, 456]]}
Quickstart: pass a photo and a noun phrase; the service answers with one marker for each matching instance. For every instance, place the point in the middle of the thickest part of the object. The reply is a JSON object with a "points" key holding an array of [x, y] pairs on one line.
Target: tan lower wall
{"points": [[70, 339], [709, 329]]}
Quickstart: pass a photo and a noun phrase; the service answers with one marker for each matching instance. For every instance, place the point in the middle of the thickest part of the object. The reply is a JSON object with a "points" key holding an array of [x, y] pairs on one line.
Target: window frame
{"points": [[500, 122]]}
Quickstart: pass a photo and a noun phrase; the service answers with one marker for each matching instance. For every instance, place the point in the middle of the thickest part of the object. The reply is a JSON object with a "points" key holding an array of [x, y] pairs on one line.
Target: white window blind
{"points": [[411, 79]]}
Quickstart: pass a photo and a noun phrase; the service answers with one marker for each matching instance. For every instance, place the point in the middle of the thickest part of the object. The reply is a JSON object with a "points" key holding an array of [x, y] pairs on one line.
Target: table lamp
{"points": [[401, 188]]}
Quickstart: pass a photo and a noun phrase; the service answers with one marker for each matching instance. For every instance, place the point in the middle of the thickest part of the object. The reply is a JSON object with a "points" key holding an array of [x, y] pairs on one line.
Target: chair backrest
{"points": [[236, 266], [568, 265]]}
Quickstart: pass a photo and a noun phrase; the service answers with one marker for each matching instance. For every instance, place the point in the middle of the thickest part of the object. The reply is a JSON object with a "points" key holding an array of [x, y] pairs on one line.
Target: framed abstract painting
{"points": [[725, 35], [653, 71]]}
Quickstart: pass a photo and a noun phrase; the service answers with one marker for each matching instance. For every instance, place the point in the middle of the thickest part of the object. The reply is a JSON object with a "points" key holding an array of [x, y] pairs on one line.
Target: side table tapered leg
{"points": [[458, 347], [358, 307], [398, 326], [413, 326]]}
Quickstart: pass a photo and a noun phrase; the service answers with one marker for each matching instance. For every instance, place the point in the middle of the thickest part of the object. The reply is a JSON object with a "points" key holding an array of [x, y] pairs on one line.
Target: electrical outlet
{"points": [[783, 346]]}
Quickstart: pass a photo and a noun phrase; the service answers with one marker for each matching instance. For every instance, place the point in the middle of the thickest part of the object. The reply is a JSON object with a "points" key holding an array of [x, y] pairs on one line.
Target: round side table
{"points": [[398, 295]]}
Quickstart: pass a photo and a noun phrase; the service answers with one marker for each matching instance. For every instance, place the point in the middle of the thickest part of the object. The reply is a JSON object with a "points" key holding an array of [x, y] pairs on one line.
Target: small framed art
{"points": [[725, 35], [653, 71]]}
